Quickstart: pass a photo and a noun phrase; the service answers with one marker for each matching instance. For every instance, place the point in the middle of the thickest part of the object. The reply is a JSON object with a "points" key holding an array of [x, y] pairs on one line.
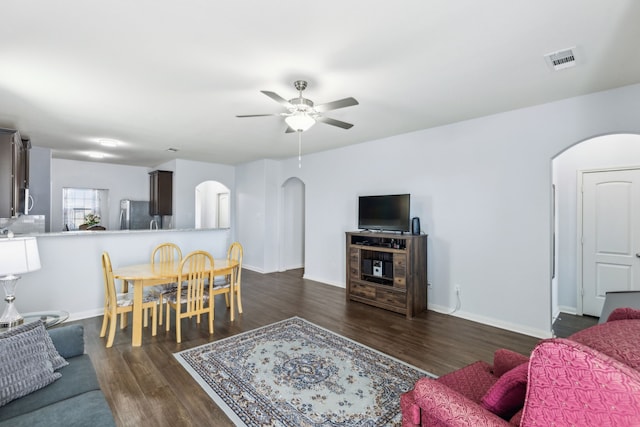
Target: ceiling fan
{"points": [[302, 113]]}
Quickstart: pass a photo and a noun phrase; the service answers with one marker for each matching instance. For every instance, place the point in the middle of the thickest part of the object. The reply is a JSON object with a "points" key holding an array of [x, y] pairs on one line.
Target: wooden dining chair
{"points": [[194, 297], [231, 282], [121, 303], [171, 255]]}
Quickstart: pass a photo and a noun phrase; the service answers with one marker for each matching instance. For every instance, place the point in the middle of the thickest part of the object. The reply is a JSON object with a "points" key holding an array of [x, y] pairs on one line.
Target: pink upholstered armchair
{"points": [[455, 399], [590, 379]]}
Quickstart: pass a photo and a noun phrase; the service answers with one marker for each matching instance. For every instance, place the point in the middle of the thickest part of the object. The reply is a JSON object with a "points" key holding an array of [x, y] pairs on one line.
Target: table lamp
{"points": [[17, 255]]}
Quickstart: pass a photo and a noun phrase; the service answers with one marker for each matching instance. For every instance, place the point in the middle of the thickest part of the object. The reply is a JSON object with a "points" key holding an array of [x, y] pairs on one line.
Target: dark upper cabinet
{"points": [[161, 193], [14, 172]]}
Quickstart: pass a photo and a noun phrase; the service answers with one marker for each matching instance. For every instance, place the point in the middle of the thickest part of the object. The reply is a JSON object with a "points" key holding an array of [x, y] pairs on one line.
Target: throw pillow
{"points": [[506, 396], [24, 363], [505, 360], [39, 330]]}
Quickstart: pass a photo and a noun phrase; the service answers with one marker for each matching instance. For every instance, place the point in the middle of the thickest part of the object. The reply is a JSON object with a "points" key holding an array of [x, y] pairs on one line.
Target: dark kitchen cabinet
{"points": [[14, 173], [161, 193]]}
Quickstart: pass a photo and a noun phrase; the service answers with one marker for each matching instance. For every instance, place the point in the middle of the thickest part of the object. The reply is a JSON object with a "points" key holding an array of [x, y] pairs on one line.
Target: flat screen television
{"points": [[390, 212]]}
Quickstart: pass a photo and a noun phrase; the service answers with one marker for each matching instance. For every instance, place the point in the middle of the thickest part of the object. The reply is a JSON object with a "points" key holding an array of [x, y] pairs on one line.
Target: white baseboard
{"points": [[567, 309], [85, 314], [325, 281], [291, 267], [513, 327], [252, 268]]}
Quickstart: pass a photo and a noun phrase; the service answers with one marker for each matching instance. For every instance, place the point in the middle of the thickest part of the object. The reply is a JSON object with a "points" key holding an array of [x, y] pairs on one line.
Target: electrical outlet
{"points": [[430, 285]]}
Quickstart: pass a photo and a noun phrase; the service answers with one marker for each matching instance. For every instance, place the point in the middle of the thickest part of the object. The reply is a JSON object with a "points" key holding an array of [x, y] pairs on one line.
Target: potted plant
{"points": [[91, 220]]}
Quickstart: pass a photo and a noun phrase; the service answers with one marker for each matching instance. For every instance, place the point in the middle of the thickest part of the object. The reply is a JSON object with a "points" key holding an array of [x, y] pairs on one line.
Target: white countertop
{"points": [[110, 232]]}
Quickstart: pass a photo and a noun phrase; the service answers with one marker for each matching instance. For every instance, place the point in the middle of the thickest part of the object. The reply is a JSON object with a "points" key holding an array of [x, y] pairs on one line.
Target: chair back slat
{"points": [[110, 293], [235, 253], [196, 275], [166, 253]]}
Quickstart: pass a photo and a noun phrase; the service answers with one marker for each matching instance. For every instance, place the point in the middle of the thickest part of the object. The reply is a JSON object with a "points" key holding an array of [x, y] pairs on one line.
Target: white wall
{"points": [[610, 151], [273, 204], [40, 183], [250, 213], [482, 189], [292, 240], [187, 175]]}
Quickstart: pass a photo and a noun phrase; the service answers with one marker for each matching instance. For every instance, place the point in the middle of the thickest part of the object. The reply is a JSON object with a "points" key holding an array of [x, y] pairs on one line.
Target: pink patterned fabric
{"points": [[619, 339], [467, 386], [441, 406], [623, 313], [505, 360], [506, 396], [571, 384], [591, 379], [472, 381], [410, 410]]}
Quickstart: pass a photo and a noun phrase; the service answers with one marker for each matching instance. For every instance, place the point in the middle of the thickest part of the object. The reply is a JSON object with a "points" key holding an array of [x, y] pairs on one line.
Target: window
{"points": [[78, 202]]}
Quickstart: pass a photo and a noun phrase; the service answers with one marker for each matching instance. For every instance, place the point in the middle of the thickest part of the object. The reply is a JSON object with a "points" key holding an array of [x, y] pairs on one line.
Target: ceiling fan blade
{"points": [[341, 103], [334, 122], [289, 130], [277, 98], [258, 115]]}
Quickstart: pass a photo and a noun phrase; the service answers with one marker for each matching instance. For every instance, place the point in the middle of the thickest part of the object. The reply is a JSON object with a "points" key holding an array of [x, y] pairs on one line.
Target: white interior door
{"points": [[610, 235], [224, 210]]}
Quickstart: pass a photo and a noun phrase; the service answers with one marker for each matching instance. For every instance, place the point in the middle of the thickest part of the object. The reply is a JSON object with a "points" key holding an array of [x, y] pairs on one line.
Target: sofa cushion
{"points": [[25, 364], [506, 396], [77, 378], [87, 409], [37, 329], [618, 339], [68, 340], [624, 313]]}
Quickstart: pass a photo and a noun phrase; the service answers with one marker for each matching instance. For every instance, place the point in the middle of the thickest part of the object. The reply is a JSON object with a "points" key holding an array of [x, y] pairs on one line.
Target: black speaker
{"points": [[415, 225], [387, 271], [367, 268]]}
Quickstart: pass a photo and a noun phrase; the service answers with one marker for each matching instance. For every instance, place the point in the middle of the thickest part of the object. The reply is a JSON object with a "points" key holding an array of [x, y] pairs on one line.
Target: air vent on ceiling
{"points": [[561, 59]]}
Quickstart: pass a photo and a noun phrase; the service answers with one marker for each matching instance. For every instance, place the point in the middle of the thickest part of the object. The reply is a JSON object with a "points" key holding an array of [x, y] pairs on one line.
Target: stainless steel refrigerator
{"points": [[134, 215]]}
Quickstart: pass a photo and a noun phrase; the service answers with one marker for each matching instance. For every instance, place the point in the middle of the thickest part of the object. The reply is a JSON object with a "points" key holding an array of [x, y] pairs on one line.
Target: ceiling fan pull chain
{"points": [[299, 150]]}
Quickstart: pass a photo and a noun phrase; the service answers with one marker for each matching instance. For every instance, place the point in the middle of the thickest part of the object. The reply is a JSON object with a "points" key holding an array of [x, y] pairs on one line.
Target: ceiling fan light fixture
{"points": [[300, 121]]}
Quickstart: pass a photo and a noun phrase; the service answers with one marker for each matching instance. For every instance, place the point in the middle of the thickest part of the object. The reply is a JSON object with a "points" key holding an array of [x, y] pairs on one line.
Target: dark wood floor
{"points": [[567, 324], [147, 386]]}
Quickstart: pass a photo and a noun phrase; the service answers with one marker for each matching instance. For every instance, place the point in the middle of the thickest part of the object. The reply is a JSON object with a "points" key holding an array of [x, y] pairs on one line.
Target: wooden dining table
{"points": [[142, 275]]}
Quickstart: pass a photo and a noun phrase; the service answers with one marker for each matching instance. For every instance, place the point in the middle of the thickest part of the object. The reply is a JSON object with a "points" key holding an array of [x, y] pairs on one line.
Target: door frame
{"points": [[579, 231]]}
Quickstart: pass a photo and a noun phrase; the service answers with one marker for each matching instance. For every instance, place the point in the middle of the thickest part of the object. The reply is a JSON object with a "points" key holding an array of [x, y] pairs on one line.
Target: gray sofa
{"points": [[75, 399]]}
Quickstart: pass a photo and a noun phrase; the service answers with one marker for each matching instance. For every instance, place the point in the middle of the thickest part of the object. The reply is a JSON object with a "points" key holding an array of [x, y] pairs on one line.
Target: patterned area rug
{"points": [[294, 373]]}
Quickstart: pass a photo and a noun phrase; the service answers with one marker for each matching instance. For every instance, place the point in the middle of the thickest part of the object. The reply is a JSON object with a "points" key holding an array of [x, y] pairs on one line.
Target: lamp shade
{"points": [[18, 255], [300, 121]]}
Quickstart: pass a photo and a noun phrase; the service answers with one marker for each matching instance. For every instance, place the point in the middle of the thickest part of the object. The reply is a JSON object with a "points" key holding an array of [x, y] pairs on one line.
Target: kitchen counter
{"points": [[105, 232]]}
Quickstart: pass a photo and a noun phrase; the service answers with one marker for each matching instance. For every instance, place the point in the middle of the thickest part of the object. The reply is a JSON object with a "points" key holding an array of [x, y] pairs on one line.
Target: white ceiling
{"points": [[156, 74]]}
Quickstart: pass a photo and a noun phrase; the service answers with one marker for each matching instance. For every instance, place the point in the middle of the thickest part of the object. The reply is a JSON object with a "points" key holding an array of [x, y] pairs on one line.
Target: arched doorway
{"points": [[213, 207], [600, 153], [292, 228]]}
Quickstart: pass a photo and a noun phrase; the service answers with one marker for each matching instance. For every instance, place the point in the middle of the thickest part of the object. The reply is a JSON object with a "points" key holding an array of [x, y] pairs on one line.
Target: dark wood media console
{"points": [[388, 270]]}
